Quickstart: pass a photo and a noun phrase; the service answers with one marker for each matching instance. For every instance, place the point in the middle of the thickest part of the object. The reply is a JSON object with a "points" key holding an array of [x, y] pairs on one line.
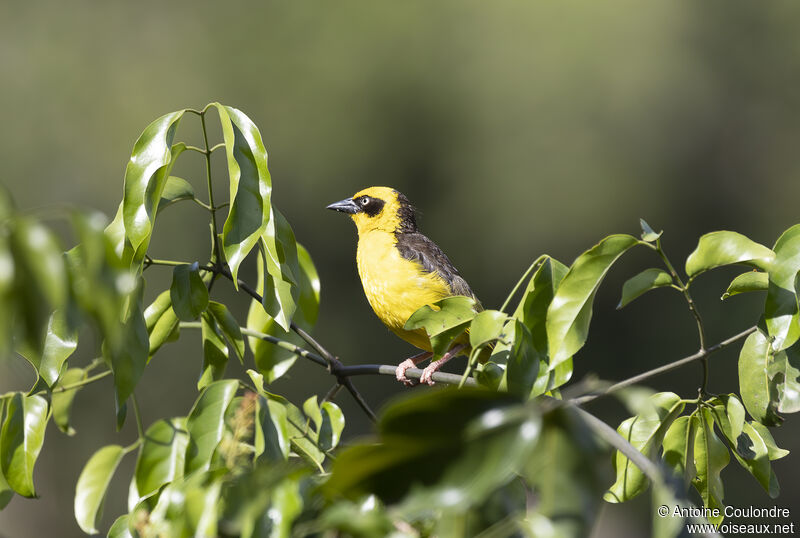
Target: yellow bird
{"points": [[401, 270]]}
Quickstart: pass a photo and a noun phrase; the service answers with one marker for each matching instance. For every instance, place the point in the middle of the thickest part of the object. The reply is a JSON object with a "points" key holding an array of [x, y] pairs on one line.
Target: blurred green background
{"points": [[517, 128]]}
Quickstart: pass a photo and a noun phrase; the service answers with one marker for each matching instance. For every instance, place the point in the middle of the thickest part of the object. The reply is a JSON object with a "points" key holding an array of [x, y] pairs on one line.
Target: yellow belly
{"points": [[396, 287]]}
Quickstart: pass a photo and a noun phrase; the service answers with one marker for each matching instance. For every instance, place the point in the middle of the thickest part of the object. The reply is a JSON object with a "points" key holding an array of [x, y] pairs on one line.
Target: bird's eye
{"points": [[364, 200]]}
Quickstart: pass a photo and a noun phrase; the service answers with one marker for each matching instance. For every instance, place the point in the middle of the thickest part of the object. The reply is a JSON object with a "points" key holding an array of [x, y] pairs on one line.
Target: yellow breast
{"points": [[396, 287]]}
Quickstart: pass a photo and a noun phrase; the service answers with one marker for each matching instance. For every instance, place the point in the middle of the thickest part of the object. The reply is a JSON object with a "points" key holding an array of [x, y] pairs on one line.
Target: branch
{"points": [[702, 354]]}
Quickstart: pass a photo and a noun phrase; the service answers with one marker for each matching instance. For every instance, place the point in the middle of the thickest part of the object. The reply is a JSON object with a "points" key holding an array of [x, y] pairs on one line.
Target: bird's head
{"points": [[378, 208]]}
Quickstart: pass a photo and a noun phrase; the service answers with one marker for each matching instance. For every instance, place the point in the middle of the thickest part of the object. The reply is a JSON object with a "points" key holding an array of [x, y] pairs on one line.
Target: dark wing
{"points": [[416, 247]]}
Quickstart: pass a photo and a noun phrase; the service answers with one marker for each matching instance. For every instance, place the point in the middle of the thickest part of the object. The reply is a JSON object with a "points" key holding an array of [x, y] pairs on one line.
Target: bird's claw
{"points": [[400, 372], [427, 373]]}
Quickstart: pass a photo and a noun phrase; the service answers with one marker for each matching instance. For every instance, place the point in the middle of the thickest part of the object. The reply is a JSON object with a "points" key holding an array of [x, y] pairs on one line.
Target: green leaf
{"points": [[728, 414], [60, 342], [754, 456], [92, 485], [129, 356], [21, 440], [648, 234], [161, 322], [61, 401], [250, 186], [570, 311], [331, 426], [145, 177], [229, 327], [303, 440], [755, 382], [710, 456], [746, 282], [162, 456], [443, 322], [773, 451], [206, 423], [523, 361], [647, 280], [486, 327], [119, 529], [202, 504], [175, 190], [781, 309], [271, 430], [678, 446], [6, 493], [308, 301], [188, 293], [215, 352], [532, 309], [646, 433], [279, 252], [716, 249]]}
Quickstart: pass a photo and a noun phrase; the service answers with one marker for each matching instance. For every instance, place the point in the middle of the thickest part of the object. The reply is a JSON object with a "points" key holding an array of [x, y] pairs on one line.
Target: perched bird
{"points": [[401, 270]]}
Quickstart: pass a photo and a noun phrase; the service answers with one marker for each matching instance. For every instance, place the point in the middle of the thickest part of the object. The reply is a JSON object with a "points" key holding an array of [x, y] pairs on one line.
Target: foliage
{"points": [[509, 452]]}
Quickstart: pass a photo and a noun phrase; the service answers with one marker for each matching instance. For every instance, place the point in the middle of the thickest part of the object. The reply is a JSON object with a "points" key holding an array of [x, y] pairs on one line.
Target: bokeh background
{"points": [[517, 128]]}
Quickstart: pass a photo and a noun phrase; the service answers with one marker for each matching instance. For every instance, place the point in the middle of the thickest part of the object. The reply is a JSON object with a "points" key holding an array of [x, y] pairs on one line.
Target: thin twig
{"points": [[83, 382], [332, 393], [665, 368]]}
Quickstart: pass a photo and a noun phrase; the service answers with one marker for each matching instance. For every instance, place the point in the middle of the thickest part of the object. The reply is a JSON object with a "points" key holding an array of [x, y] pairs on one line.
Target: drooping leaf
{"points": [[146, 175], [523, 361], [250, 186], [716, 249], [279, 251], [215, 352], [60, 341], [92, 485], [445, 324], [229, 327], [773, 451], [678, 446], [746, 282], [175, 190], [728, 414], [784, 373], [206, 423], [781, 308], [162, 455], [754, 457], [647, 280], [532, 308], [754, 380], [6, 493], [119, 529], [486, 327], [161, 321], [570, 311], [128, 357], [21, 439], [711, 457], [188, 293], [271, 430], [646, 433], [61, 401]]}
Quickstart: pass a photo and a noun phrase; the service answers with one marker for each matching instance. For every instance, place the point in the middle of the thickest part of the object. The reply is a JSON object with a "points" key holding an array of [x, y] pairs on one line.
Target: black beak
{"points": [[345, 206]]}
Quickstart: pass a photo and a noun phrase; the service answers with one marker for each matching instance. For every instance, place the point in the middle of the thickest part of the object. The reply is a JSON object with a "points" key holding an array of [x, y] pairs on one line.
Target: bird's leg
{"points": [[410, 362], [427, 373]]}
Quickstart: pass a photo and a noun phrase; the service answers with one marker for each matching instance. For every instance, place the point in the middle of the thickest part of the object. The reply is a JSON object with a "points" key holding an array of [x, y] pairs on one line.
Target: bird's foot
{"points": [[432, 368], [400, 373]]}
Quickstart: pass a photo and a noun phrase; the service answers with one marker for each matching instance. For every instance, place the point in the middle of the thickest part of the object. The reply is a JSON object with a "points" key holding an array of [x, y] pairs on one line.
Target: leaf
{"points": [[279, 253], [754, 380], [206, 423], [746, 282], [162, 456], [331, 426], [781, 309], [710, 456], [161, 322], [443, 321], [92, 485], [523, 360], [21, 440], [570, 311], [271, 360], [756, 460], [716, 249], [188, 293], [175, 190], [678, 446], [648, 234], [486, 327], [119, 529], [647, 280], [646, 433], [728, 414], [271, 430], [250, 186], [6, 493], [532, 309], [60, 342], [229, 327], [145, 178], [215, 352], [773, 451], [61, 401], [129, 357]]}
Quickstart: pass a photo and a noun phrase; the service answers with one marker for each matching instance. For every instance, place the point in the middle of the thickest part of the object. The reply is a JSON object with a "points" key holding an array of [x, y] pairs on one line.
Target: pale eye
{"points": [[364, 200]]}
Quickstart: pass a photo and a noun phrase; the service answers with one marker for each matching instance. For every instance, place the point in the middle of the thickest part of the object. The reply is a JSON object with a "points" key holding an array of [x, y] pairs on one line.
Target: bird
{"points": [[401, 270]]}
